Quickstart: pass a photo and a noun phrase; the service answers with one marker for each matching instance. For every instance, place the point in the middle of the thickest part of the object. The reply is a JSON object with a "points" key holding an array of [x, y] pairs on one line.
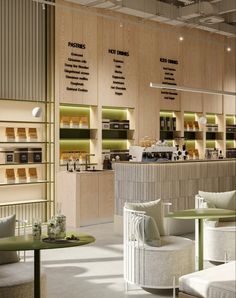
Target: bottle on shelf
{"points": [[168, 123], [174, 123], [162, 123]]}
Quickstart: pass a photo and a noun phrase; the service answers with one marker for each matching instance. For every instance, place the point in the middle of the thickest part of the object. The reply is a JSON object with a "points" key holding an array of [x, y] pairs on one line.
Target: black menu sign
{"points": [[169, 71], [118, 78], [76, 68]]}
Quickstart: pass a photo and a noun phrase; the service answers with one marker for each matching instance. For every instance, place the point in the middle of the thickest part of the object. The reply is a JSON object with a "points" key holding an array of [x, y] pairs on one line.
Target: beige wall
{"points": [[202, 56]]}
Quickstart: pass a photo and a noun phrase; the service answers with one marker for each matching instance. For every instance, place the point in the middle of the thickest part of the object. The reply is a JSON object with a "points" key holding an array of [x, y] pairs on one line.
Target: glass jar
{"points": [[37, 229]]}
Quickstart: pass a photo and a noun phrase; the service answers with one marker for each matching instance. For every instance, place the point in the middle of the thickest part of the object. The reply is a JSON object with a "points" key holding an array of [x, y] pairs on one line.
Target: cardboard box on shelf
{"points": [[32, 133], [83, 122], [65, 121], [74, 122], [10, 133], [21, 174], [21, 133], [10, 175], [190, 125], [196, 125], [33, 174]]}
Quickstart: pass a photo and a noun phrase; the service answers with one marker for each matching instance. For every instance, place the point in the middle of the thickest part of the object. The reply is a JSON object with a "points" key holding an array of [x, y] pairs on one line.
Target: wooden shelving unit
{"points": [[36, 193]]}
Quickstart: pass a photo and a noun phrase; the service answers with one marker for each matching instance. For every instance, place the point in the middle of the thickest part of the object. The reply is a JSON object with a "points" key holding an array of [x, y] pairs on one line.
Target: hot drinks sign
{"points": [[118, 77]]}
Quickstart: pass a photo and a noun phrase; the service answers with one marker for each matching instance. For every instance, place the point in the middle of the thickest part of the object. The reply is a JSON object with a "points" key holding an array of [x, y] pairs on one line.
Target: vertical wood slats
{"points": [[18, 50]]}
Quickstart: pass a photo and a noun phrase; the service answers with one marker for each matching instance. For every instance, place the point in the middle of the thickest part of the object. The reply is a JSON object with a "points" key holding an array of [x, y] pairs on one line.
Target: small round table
{"points": [[200, 214], [28, 243]]}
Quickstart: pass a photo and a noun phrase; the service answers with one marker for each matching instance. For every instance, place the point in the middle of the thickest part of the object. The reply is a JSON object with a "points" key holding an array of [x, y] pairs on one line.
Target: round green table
{"points": [[200, 214], [28, 243]]}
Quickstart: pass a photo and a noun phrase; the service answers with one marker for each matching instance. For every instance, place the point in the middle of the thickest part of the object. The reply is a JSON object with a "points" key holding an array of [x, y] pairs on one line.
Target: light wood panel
{"points": [[149, 98], [169, 47], [192, 69], [77, 28], [122, 38], [106, 195], [229, 82], [88, 197], [213, 73]]}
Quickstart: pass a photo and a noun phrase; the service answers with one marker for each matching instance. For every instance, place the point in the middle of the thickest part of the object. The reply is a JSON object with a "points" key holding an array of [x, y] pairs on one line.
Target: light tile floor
{"points": [[90, 271]]}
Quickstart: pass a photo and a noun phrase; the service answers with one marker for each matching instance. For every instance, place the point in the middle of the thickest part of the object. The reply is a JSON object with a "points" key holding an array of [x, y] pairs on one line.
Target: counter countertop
{"points": [[176, 162], [89, 172]]}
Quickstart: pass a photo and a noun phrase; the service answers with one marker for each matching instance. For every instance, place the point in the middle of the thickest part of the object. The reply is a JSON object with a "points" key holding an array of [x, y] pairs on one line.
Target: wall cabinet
{"points": [[87, 197]]}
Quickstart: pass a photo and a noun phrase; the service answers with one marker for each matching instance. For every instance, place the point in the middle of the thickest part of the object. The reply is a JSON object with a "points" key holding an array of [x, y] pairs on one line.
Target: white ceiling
{"points": [[211, 15]]}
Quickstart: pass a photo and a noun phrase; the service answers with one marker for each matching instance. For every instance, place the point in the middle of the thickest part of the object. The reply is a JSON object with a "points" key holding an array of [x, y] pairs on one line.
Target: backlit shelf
{"points": [[25, 183]]}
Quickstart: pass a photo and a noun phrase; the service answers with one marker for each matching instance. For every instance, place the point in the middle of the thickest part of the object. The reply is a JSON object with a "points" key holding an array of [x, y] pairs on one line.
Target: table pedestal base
{"points": [[37, 273]]}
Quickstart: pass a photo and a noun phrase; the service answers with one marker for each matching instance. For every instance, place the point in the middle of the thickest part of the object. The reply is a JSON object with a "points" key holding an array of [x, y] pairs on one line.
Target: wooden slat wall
{"points": [[20, 52], [202, 56]]}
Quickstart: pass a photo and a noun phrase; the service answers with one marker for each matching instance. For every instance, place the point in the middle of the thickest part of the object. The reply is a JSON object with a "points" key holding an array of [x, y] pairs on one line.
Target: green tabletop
{"points": [[202, 213], [28, 243]]}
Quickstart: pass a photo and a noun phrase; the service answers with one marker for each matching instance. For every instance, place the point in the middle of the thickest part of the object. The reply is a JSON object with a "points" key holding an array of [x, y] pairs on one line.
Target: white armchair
{"points": [[151, 264], [219, 235]]}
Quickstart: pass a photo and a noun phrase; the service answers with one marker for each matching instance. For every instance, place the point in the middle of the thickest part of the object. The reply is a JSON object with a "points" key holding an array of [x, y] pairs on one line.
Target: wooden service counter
{"points": [[86, 197], [175, 182]]}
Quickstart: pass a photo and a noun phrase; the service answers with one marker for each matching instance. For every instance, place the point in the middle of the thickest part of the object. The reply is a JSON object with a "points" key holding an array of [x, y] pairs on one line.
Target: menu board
{"points": [[169, 74], [118, 77], [76, 68]]}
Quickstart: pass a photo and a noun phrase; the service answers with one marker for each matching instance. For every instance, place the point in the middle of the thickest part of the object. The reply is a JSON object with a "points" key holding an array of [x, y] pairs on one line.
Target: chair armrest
{"points": [[199, 201], [166, 207], [166, 221], [21, 224]]}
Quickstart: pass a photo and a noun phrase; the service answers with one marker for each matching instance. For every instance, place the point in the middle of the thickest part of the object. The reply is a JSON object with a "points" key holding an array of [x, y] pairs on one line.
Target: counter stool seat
{"points": [[17, 281], [161, 267], [224, 233]]}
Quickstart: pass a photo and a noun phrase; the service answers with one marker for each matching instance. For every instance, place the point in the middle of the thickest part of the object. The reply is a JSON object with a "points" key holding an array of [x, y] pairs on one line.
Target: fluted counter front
{"points": [[175, 182]]}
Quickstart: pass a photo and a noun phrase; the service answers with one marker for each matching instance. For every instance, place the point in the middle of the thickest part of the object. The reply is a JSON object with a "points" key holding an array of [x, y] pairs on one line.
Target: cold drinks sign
{"points": [[169, 71]]}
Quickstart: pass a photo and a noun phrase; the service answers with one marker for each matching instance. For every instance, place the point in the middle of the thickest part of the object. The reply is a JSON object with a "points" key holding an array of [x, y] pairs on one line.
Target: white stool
{"points": [[159, 267], [17, 281], [219, 242]]}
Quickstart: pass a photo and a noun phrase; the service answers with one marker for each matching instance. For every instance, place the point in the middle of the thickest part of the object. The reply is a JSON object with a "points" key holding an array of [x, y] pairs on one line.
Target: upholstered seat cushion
{"points": [[152, 209], [7, 229], [215, 282]]}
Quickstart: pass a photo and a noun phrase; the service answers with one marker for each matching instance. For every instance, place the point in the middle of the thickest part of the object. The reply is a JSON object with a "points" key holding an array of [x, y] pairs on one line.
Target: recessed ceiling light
{"points": [[228, 49], [181, 38]]}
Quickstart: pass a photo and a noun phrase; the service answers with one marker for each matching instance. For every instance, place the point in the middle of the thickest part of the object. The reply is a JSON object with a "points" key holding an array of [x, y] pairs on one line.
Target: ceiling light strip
{"points": [[190, 89]]}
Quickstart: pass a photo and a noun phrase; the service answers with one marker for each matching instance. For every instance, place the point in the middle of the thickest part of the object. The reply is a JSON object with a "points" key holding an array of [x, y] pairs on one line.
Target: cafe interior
{"points": [[118, 156]]}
